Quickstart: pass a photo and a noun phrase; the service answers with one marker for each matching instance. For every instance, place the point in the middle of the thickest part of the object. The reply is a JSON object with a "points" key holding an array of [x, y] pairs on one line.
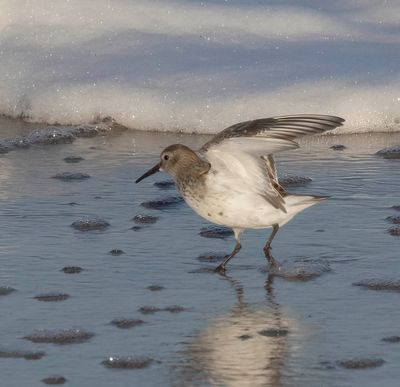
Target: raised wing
{"points": [[242, 154], [284, 128]]}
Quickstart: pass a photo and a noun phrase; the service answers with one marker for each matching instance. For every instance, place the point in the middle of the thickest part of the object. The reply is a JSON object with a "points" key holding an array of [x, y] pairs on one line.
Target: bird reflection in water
{"points": [[245, 347]]}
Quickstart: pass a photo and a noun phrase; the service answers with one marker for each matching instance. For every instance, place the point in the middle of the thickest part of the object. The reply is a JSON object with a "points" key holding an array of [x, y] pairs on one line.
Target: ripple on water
{"points": [[5, 290], [54, 380], [163, 203], [90, 224], [127, 323], [52, 297], [379, 284], [391, 152], [62, 337], [216, 232], [155, 288], [71, 176], [391, 339], [73, 159], [71, 269], [290, 181], [394, 231], [127, 362], [145, 219], [338, 147], [211, 257], [116, 252], [393, 219], [300, 269], [165, 184], [22, 355], [361, 363], [149, 309]]}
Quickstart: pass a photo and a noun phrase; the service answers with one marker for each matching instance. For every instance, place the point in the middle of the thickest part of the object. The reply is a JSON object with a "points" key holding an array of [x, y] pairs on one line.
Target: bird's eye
{"points": [[166, 157]]}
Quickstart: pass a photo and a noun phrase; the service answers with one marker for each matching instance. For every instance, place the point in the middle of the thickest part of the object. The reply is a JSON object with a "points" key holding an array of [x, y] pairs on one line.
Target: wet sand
{"points": [[328, 320]]}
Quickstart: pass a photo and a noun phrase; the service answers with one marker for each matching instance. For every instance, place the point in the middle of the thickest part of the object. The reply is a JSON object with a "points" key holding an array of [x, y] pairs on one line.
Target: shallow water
{"points": [[243, 329]]}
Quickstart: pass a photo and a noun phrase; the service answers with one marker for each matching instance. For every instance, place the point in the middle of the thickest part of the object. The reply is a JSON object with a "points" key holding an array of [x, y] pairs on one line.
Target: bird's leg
{"points": [[267, 247], [221, 268], [238, 246]]}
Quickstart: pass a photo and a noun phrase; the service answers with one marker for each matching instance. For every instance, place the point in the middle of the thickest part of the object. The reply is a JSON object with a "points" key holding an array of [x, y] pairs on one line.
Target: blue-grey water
{"points": [[243, 329]]}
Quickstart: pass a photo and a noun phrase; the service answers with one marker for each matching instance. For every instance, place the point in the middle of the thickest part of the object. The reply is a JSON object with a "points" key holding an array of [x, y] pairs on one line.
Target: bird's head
{"points": [[176, 160]]}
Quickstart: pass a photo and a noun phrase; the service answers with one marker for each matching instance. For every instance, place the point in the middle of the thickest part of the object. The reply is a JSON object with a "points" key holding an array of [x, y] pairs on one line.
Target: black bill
{"points": [[150, 172]]}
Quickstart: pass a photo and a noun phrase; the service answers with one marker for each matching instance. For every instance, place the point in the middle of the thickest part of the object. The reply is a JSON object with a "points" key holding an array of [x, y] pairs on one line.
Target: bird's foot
{"points": [[268, 254], [220, 269]]}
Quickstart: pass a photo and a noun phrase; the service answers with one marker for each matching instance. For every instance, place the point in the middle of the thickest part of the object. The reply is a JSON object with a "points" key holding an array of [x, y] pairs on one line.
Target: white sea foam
{"points": [[200, 66]]}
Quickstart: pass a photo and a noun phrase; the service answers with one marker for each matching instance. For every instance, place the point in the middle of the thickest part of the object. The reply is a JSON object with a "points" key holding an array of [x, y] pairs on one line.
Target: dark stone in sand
{"points": [[62, 337], [145, 219], [355, 364], [51, 297], [127, 362], [391, 339], [393, 219], [155, 288], [4, 290], [211, 257], [288, 181], [274, 332], [395, 231], [116, 252], [168, 202], [71, 176], [216, 232], [174, 309], [71, 269], [90, 224], [127, 323], [337, 147], [379, 284], [149, 309], [53, 380], [136, 228], [22, 355], [397, 208], [245, 337], [73, 159], [391, 152], [165, 184]]}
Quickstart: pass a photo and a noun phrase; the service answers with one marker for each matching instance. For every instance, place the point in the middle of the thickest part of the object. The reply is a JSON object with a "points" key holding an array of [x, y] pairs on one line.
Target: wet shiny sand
{"points": [[309, 327]]}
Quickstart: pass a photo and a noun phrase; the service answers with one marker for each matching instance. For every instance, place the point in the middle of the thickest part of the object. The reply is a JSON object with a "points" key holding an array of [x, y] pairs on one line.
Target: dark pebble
{"points": [[397, 208], [155, 288], [355, 364], [377, 284], [136, 228], [274, 332], [392, 152], [145, 219], [338, 147], [116, 252], [73, 159], [295, 181], [62, 337], [168, 202], [71, 176], [90, 224], [127, 362], [51, 297], [4, 290], [211, 257], [245, 337], [216, 232], [22, 355], [393, 219], [53, 380], [174, 309], [127, 323], [165, 184], [71, 269], [391, 339], [149, 309], [394, 231]]}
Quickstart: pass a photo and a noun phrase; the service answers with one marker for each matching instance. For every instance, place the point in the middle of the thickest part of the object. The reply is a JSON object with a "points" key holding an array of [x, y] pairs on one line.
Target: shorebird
{"points": [[232, 180]]}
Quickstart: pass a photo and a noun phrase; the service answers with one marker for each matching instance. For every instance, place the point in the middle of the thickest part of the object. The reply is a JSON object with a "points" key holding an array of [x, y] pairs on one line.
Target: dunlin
{"points": [[232, 180]]}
